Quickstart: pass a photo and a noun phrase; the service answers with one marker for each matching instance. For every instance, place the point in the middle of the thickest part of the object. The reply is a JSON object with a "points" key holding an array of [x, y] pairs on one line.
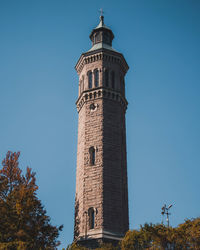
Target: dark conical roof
{"points": [[101, 24]]}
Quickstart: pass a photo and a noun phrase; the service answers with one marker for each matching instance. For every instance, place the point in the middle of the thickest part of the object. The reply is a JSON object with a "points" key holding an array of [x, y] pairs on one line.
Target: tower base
{"points": [[95, 243], [96, 238]]}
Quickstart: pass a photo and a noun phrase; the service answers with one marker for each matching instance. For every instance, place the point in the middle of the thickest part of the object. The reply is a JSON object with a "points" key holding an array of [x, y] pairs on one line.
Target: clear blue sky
{"points": [[40, 43]]}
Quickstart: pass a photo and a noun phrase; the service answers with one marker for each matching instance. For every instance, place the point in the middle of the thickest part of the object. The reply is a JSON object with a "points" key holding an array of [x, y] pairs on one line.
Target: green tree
{"points": [[135, 239], [24, 223], [108, 246], [75, 246], [158, 236], [104, 246]]}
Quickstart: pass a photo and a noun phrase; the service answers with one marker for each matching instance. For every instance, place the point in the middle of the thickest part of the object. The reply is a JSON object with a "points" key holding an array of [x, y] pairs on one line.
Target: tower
{"points": [[101, 206]]}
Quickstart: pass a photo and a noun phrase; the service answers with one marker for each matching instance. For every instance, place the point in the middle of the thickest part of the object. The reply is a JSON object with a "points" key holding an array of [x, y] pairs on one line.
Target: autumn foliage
{"points": [[24, 223], [185, 236], [157, 236]]}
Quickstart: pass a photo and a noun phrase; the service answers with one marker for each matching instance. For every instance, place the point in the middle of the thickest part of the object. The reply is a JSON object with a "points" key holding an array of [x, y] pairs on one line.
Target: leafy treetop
{"points": [[24, 223]]}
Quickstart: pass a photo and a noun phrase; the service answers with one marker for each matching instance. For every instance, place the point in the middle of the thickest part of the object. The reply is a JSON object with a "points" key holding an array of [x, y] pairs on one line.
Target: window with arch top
{"points": [[92, 155], [96, 78], [91, 217], [113, 79], [82, 83], [106, 77], [90, 79]]}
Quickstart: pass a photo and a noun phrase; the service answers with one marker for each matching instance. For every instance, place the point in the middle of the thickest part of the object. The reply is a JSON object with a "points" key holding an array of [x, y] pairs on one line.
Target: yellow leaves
{"points": [[21, 233], [18, 208], [18, 245], [185, 236], [106, 246]]}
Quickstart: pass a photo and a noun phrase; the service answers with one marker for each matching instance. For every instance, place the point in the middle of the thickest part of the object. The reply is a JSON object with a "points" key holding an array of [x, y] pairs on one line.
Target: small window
{"points": [[106, 78], [113, 79], [90, 79], [91, 217], [92, 155], [96, 78], [98, 38], [80, 86], [123, 86], [82, 83], [121, 83]]}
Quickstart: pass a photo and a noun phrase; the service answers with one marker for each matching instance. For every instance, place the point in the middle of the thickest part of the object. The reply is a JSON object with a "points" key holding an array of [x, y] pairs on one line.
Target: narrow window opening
{"points": [[82, 83], [96, 77], [92, 155], [113, 79], [121, 83], [91, 217], [80, 86], [90, 79], [106, 78]]}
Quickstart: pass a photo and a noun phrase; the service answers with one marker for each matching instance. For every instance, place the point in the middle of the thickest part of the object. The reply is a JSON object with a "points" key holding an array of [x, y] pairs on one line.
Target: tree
{"points": [[158, 236], [103, 246], [188, 234], [134, 239], [24, 223]]}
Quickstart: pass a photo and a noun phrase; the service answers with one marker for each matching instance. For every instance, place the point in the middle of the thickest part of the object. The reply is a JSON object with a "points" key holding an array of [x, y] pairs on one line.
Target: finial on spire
{"points": [[101, 16], [101, 12]]}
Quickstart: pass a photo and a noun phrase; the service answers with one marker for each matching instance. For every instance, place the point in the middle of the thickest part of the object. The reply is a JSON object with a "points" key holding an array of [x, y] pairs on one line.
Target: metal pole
{"points": [[165, 210], [167, 213]]}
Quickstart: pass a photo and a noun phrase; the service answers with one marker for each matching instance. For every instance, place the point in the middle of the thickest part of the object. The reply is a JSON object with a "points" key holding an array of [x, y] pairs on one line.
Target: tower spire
{"points": [[101, 21]]}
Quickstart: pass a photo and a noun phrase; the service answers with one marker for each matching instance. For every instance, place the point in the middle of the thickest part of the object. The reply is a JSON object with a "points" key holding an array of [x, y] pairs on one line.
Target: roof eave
{"points": [[88, 53]]}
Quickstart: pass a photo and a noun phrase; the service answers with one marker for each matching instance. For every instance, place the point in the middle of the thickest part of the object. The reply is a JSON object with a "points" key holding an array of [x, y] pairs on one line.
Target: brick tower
{"points": [[101, 207]]}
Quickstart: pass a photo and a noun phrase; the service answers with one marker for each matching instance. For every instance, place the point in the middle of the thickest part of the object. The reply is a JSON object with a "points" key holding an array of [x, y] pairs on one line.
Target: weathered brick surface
{"points": [[115, 197], [102, 186]]}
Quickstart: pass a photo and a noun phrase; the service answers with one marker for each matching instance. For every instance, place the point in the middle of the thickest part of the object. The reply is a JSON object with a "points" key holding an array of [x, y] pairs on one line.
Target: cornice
{"points": [[99, 93], [101, 54]]}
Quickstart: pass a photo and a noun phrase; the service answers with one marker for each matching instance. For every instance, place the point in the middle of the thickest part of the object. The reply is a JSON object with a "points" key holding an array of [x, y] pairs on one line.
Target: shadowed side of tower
{"points": [[101, 209]]}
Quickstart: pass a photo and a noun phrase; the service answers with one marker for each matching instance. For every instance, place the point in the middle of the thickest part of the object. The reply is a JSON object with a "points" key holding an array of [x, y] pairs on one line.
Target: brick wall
{"points": [[102, 186]]}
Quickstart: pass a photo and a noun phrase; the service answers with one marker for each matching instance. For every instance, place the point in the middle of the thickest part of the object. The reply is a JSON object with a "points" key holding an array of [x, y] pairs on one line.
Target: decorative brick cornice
{"points": [[101, 54], [87, 59], [98, 93]]}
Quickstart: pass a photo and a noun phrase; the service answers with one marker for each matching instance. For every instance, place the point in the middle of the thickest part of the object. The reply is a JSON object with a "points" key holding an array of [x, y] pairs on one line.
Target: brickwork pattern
{"points": [[102, 186]]}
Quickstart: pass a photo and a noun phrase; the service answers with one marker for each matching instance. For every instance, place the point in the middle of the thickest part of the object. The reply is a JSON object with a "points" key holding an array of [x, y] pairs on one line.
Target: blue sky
{"points": [[40, 44]]}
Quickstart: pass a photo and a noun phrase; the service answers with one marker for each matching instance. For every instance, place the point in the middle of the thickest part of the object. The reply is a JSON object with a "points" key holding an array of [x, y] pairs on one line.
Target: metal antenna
{"points": [[165, 210], [163, 213]]}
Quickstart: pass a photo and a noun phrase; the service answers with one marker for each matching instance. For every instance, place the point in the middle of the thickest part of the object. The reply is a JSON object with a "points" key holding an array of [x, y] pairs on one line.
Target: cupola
{"points": [[101, 36]]}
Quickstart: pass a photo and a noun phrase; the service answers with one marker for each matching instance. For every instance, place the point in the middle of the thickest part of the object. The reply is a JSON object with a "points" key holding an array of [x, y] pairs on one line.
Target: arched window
{"points": [[123, 86], [80, 86], [106, 78], [96, 78], [121, 83], [91, 217], [82, 83], [113, 79], [90, 79], [92, 155]]}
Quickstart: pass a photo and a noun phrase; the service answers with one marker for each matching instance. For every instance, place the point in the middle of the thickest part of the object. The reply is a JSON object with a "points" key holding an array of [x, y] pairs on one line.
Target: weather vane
{"points": [[165, 210]]}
